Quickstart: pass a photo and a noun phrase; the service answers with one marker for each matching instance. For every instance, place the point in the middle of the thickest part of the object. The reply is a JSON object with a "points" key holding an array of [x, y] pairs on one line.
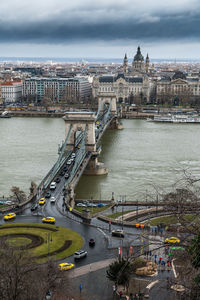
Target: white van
{"points": [[53, 186]]}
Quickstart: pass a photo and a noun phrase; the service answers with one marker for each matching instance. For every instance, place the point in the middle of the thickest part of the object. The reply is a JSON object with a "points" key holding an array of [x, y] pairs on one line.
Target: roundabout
{"points": [[41, 242]]}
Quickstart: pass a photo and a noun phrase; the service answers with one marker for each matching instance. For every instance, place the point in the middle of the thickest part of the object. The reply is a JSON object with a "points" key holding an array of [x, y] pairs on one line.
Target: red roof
{"points": [[11, 82]]}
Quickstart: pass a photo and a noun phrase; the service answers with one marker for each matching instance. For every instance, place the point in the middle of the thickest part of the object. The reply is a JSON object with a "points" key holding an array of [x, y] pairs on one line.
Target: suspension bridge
{"points": [[81, 148]]}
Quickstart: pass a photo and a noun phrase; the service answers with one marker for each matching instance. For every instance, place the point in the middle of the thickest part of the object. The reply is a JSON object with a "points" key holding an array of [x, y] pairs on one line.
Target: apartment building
{"points": [[57, 89]]}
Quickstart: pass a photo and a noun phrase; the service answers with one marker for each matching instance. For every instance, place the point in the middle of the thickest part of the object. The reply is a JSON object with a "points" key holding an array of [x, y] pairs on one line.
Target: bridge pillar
{"points": [[94, 167], [79, 121], [107, 99]]}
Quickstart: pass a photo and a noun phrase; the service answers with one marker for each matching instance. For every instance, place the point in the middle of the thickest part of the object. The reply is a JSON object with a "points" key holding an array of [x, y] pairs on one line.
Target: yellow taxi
{"points": [[172, 240], [50, 220], [9, 216], [42, 201], [66, 266]]}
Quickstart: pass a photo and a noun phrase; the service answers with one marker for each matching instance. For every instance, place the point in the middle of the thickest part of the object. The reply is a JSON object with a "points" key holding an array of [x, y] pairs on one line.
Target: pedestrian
{"points": [[114, 288], [120, 294]]}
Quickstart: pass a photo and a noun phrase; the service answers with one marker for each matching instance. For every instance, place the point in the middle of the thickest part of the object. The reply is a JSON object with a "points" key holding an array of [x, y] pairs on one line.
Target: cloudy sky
{"points": [[100, 28]]}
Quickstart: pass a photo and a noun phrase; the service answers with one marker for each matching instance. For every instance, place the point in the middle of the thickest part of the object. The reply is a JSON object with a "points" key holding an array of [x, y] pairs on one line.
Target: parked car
{"points": [[91, 242], [9, 216], [81, 205], [47, 195], [69, 162], [53, 185], [49, 220], [62, 173], [73, 155], [57, 180], [91, 205], [80, 254], [118, 233], [52, 199], [66, 266], [65, 169], [34, 206]]}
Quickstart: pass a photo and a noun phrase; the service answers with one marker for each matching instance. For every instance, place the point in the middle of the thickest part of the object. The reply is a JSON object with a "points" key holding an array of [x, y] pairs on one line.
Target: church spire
{"points": [[125, 64]]}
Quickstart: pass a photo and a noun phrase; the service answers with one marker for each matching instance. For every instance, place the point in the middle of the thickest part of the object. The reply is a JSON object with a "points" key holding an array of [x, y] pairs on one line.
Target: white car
{"points": [[80, 254], [81, 205], [53, 185], [52, 199]]}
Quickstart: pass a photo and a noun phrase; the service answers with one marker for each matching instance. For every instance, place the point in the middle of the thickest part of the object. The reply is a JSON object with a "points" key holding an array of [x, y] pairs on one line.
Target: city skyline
{"points": [[100, 29]]}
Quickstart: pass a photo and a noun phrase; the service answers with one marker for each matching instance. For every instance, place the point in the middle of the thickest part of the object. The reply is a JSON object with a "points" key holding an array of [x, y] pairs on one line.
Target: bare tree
{"points": [[18, 195]]}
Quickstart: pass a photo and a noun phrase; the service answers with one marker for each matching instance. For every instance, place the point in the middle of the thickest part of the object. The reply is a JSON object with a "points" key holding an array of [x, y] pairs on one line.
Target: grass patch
{"points": [[118, 214], [168, 220], [18, 242], [93, 210], [54, 238]]}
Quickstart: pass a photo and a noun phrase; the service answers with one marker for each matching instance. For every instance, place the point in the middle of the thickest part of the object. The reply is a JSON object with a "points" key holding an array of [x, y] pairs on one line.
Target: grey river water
{"points": [[141, 156]]}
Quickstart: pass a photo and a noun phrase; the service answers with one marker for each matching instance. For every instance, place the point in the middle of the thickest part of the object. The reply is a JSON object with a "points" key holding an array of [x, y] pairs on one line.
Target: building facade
{"points": [[11, 91], [127, 89], [131, 86], [56, 89], [178, 90]]}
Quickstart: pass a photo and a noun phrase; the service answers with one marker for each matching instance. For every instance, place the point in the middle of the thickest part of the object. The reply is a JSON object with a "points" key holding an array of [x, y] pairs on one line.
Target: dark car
{"points": [[66, 176], [65, 169], [57, 180], [47, 195], [62, 173], [91, 242], [34, 207]]}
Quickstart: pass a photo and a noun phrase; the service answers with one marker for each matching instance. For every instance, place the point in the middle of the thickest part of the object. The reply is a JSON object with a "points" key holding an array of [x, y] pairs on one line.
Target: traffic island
{"points": [[41, 241]]}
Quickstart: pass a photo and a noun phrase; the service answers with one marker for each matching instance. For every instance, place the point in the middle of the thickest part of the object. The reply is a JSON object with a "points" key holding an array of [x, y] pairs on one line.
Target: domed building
{"points": [[139, 65]]}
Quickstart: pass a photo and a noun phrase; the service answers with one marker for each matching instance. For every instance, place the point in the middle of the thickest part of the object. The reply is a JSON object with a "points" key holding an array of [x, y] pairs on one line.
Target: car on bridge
{"points": [[66, 266], [47, 195], [9, 216], [57, 180], [53, 186], [66, 176], [49, 220], [42, 201]]}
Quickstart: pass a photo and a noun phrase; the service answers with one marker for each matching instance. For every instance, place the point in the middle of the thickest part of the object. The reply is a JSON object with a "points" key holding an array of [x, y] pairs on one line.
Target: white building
{"points": [[11, 91]]}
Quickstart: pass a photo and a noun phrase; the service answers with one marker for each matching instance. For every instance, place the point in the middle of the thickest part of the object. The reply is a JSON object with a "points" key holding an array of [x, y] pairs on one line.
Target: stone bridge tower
{"points": [[107, 98], [79, 121]]}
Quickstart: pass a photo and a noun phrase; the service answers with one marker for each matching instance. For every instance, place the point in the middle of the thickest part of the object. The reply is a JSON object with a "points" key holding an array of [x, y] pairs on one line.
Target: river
{"points": [[141, 158]]}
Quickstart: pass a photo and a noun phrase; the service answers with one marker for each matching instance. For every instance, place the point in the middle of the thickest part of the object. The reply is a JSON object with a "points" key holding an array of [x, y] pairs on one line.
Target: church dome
{"points": [[138, 56], [178, 75]]}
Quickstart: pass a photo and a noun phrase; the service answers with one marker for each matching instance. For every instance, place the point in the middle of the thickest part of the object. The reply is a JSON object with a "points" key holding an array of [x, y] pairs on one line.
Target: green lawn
{"points": [[53, 240], [168, 220], [118, 214], [93, 210]]}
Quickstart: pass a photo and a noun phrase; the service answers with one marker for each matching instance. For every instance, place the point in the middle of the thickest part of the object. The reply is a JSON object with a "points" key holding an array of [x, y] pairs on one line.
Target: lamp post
{"points": [[49, 239]]}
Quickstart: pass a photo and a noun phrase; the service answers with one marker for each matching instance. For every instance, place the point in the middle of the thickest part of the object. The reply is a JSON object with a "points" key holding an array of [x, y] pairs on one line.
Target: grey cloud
{"points": [[81, 20]]}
